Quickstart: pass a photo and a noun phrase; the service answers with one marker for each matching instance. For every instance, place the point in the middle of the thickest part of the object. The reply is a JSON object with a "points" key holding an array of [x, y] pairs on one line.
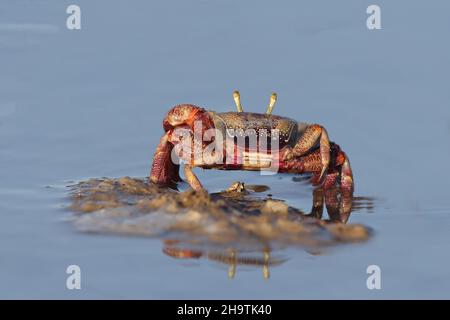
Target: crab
{"points": [[230, 257], [246, 141]]}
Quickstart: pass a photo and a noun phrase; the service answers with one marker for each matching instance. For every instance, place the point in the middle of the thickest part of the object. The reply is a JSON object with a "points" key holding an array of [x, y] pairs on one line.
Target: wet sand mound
{"points": [[238, 217]]}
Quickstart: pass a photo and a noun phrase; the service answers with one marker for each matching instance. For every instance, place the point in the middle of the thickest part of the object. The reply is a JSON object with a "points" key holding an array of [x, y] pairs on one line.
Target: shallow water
{"points": [[88, 104]]}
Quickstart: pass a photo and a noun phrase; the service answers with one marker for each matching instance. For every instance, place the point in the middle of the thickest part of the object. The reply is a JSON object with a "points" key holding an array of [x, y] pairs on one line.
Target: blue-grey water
{"points": [[76, 104]]}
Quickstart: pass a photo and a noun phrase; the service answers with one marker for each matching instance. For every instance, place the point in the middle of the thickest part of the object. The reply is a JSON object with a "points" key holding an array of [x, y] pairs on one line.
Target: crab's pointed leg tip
{"points": [[322, 173]]}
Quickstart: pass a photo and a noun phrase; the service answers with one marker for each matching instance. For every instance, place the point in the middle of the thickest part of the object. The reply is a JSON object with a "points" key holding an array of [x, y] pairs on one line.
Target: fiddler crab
{"points": [[247, 141]]}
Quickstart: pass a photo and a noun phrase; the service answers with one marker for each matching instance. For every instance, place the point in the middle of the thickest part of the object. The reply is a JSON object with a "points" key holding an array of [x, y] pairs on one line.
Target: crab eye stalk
{"points": [[232, 265], [273, 99], [237, 101], [266, 272]]}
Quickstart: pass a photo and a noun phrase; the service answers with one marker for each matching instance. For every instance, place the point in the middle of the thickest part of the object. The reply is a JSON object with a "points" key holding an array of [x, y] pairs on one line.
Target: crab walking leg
{"points": [[311, 163], [339, 173], [340, 168], [333, 205], [330, 180], [345, 206], [163, 170], [192, 179], [309, 139], [338, 207], [347, 175], [317, 207]]}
